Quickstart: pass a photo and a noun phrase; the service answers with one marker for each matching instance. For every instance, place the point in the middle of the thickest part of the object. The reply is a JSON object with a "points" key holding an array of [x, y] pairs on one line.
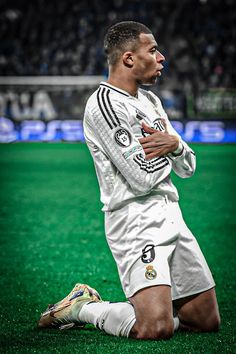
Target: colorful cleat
{"points": [[65, 313]]}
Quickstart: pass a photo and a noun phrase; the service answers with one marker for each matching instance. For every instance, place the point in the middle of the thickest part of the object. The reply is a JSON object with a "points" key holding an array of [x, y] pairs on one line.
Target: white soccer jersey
{"points": [[112, 125]]}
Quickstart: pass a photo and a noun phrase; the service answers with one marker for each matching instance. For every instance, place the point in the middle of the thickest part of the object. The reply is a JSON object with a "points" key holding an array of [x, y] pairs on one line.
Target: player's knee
{"points": [[213, 323], [216, 324], [160, 330]]}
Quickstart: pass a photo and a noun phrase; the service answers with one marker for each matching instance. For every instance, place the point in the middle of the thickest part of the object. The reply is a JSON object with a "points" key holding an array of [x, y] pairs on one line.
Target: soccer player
{"points": [[163, 272]]}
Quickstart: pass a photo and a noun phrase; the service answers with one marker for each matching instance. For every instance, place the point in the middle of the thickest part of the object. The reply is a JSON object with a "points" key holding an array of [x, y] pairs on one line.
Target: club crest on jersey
{"points": [[148, 254], [157, 124], [150, 273], [123, 137]]}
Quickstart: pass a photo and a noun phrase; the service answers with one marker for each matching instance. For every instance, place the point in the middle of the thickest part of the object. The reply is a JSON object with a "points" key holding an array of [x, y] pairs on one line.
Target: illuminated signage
{"points": [[72, 130], [37, 130]]}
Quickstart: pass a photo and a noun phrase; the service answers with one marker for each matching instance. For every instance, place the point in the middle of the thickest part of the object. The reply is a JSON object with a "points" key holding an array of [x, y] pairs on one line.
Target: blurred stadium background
{"points": [[51, 60]]}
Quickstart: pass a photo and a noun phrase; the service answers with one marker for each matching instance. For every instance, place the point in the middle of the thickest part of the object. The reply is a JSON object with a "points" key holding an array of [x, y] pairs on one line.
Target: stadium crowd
{"points": [[53, 37]]}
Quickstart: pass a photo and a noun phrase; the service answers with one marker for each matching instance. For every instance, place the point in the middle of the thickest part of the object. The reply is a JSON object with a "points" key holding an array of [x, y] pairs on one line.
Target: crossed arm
{"points": [[158, 143]]}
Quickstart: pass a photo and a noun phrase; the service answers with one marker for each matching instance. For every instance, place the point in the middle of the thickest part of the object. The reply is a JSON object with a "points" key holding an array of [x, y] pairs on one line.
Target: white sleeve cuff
{"points": [[179, 150]]}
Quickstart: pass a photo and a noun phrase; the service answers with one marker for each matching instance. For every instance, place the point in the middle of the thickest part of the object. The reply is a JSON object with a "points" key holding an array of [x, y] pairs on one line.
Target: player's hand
{"points": [[158, 143]]}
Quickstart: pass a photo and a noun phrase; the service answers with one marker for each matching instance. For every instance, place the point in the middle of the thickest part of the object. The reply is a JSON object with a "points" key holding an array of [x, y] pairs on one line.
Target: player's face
{"points": [[147, 60]]}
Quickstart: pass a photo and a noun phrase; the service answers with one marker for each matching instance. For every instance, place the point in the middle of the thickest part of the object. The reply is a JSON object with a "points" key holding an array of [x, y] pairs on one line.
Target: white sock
{"points": [[115, 318], [176, 323]]}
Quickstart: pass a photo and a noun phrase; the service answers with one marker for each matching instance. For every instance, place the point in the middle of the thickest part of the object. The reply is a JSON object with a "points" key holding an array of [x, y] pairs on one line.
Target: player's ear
{"points": [[128, 59]]}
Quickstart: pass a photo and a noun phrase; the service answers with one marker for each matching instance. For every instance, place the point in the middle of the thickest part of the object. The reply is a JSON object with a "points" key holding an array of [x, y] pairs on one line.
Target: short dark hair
{"points": [[119, 36]]}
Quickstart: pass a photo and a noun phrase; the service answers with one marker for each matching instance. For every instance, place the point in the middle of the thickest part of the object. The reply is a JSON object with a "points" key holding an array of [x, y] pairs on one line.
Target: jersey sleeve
{"points": [[110, 123], [183, 162]]}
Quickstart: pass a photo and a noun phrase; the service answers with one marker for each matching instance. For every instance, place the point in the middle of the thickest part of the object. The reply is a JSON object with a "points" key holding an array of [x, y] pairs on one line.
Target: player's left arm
{"points": [[168, 143], [183, 158]]}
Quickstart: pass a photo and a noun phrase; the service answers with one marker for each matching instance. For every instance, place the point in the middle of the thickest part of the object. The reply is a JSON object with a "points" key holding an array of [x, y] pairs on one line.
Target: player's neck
{"points": [[123, 83]]}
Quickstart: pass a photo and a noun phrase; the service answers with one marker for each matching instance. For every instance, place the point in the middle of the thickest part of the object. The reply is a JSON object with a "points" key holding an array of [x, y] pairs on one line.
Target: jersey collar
{"points": [[114, 88]]}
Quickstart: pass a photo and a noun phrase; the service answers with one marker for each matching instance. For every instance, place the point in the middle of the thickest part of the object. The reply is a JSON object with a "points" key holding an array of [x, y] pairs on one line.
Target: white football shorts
{"points": [[152, 245]]}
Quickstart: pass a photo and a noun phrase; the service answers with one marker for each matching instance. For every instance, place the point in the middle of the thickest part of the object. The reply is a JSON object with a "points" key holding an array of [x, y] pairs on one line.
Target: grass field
{"points": [[52, 236]]}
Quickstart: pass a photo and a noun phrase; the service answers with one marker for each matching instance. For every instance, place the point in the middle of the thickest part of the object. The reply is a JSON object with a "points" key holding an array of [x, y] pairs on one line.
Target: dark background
{"points": [[66, 38]]}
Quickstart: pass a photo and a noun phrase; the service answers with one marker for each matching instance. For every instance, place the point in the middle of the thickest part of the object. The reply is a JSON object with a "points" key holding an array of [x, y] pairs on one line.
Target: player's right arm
{"points": [[109, 124]]}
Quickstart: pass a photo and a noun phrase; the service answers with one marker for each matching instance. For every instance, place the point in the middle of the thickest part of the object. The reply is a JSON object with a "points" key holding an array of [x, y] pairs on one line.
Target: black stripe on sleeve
{"points": [[109, 115], [101, 109], [109, 101], [106, 108], [150, 166]]}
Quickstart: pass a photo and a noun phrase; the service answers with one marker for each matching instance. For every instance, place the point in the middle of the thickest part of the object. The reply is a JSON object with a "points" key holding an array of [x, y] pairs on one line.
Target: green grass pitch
{"points": [[52, 236]]}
